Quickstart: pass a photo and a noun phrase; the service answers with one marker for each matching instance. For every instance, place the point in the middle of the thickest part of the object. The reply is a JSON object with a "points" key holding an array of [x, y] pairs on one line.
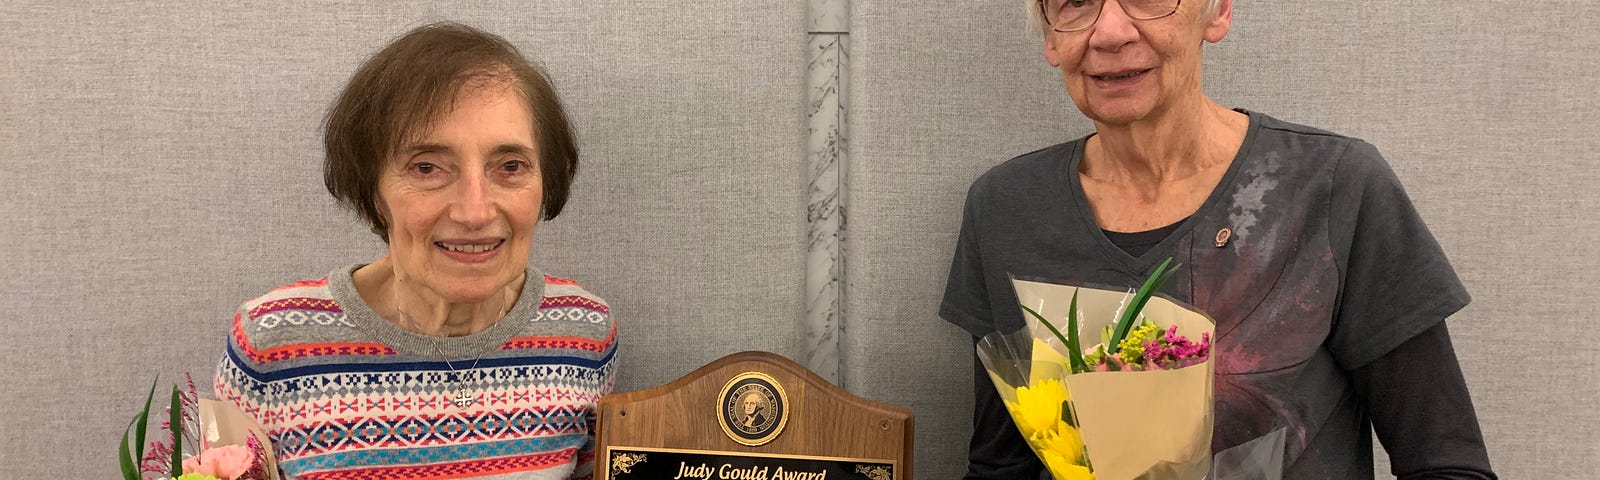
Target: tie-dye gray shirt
{"points": [[1328, 267]]}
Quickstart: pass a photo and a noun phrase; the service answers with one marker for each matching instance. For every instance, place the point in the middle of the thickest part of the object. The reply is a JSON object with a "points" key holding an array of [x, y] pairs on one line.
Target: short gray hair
{"points": [[1036, 23]]}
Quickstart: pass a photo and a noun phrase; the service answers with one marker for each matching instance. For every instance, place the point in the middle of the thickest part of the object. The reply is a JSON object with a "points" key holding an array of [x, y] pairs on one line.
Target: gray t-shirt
{"points": [[1328, 268]]}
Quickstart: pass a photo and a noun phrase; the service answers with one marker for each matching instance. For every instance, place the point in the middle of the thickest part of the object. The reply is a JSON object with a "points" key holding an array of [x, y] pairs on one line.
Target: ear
{"points": [[383, 216], [1217, 27], [1051, 53]]}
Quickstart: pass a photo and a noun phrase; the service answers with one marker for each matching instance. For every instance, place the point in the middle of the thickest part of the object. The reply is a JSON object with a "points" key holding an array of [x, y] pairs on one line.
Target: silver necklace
{"points": [[462, 399]]}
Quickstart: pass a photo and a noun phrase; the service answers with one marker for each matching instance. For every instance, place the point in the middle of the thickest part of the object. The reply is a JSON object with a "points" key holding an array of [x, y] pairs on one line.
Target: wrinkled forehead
{"points": [[414, 123]]}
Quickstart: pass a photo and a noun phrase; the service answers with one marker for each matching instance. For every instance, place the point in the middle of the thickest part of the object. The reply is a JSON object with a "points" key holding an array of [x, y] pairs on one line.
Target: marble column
{"points": [[827, 28]]}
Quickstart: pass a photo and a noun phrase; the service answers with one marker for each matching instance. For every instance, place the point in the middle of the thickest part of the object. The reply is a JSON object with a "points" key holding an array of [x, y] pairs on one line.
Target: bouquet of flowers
{"points": [[1135, 405], [222, 442]]}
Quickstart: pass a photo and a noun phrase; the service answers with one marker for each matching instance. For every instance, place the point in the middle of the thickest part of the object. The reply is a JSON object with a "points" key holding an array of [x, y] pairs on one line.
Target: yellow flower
{"points": [[1038, 407], [1131, 348], [1064, 470], [1065, 441], [1062, 452]]}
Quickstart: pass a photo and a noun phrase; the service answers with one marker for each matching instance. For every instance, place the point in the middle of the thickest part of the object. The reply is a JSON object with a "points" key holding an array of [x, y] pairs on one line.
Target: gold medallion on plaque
{"points": [[752, 409]]}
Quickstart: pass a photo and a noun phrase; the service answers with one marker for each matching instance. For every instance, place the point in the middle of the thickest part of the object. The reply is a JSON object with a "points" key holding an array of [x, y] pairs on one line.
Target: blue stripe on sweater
{"points": [[400, 457]]}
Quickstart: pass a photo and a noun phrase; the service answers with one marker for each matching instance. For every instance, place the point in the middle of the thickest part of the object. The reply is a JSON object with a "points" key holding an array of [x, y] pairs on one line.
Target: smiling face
{"points": [[1121, 70], [463, 198]]}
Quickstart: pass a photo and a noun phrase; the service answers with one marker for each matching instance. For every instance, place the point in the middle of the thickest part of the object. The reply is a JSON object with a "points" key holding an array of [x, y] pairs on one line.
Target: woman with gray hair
{"points": [[1329, 292]]}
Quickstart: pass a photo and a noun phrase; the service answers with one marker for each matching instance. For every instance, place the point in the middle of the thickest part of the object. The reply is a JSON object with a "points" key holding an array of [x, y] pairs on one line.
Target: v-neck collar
{"points": [[1079, 208]]}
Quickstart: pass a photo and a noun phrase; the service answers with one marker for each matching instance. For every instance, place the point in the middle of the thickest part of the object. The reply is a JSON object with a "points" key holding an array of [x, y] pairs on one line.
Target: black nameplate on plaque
{"points": [[629, 463]]}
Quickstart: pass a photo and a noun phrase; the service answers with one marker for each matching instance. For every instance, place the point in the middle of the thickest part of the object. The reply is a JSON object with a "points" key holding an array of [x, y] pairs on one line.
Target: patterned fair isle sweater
{"points": [[345, 394]]}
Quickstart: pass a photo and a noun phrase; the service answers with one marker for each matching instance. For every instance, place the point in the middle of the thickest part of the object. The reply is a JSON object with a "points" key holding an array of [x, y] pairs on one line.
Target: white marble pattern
{"points": [[828, 16], [827, 155]]}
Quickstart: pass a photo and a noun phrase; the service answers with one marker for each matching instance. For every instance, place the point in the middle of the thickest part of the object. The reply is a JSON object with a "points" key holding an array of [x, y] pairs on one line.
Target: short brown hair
{"points": [[397, 94]]}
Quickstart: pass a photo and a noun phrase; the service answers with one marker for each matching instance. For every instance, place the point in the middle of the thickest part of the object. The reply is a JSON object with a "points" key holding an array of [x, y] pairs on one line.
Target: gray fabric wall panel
{"points": [[1487, 118], [936, 93], [162, 165]]}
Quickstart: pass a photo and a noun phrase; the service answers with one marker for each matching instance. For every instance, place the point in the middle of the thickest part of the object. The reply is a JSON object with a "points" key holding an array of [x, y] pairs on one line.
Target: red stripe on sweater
{"points": [[302, 350], [574, 301], [554, 280], [320, 282], [295, 303], [572, 343]]}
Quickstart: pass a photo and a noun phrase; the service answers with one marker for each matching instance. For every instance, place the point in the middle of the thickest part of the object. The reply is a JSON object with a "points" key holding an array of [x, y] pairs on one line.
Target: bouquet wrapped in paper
{"points": [[197, 439], [1105, 384]]}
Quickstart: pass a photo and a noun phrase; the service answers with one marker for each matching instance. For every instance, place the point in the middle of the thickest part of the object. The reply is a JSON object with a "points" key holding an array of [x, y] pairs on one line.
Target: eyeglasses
{"points": [[1076, 15]]}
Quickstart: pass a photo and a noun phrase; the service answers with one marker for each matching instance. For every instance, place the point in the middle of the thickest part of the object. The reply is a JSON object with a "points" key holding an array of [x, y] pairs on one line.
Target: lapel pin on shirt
{"points": [[1223, 236]]}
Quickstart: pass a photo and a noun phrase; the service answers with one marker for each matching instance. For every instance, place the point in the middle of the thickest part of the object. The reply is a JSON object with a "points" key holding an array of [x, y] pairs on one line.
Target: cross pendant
{"points": [[463, 400]]}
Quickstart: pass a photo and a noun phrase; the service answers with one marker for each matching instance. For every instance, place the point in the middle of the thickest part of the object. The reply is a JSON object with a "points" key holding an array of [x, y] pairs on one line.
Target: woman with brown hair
{"points": [[449, 356]]}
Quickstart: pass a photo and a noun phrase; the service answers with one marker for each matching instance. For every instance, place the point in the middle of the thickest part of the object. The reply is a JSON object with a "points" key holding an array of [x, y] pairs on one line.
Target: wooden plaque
{"points": [[751, 415]]}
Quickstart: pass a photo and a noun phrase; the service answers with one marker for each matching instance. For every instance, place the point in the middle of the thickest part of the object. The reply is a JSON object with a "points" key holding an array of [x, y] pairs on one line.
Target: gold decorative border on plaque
{"points": [[782, 398], [893, 464], [623, 463], [873, 472]]}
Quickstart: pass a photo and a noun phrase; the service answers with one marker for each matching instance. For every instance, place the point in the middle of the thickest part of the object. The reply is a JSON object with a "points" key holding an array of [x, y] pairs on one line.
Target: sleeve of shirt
{"points": [[1396, 281], [235, 380], [1422, 412], [997, 450], [231, 387], [966, 295], [239, 382]]}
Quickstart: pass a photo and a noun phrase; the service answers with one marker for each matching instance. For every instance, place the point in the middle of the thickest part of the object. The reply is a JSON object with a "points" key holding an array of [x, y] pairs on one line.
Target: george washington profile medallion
{"points": [[752, 409]]}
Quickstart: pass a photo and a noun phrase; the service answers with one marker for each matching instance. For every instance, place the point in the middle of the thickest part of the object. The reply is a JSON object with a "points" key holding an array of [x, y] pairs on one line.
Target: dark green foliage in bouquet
{"points": [[130, 455]]}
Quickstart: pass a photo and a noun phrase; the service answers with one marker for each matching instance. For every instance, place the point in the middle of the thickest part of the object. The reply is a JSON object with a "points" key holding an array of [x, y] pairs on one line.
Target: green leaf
{"points": [[129, 458], [130, 470], [1040, 318], [1151, 285], [1067, 415], [1074, 356], [1096, 355], [142, 421], [177, 434], [1074, 351]]}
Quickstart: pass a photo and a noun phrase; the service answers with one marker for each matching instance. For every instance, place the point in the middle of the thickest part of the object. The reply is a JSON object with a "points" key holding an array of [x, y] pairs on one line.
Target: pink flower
{"points": [[157, 457], [258, 469], [1157, 354], [226, 463]]}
